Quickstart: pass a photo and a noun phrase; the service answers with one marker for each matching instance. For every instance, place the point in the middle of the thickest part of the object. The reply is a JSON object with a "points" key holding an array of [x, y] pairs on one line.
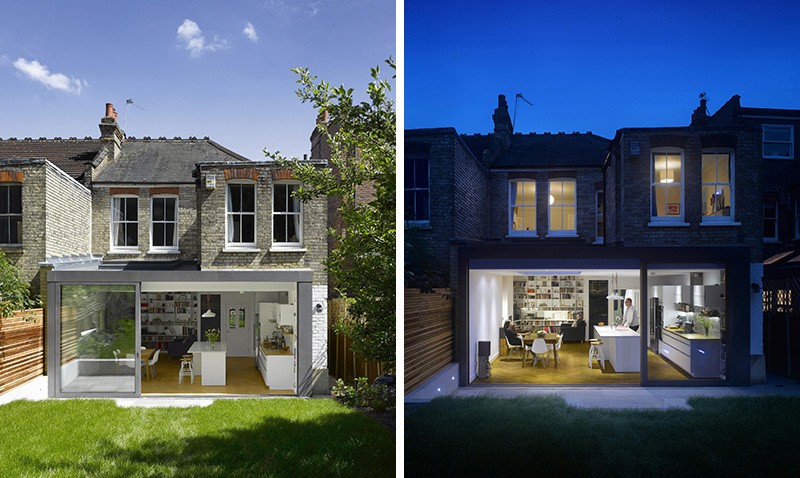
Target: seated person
{"points": [[511, 333]]}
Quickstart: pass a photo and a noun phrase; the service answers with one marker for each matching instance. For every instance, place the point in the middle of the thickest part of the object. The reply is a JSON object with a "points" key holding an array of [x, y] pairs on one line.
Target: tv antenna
{"points": [[129, 102], [516, 100]]}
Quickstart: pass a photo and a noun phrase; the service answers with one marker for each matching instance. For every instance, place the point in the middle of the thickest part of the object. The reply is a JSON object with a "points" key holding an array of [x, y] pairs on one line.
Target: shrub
{"points": [[364, 395]]}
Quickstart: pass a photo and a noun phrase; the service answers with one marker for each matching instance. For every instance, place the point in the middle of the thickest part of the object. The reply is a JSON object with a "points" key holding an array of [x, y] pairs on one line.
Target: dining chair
{"points": [[539, 349], [556, 347], [520, 348], [116, 357], [152, 362], [130, 361]]}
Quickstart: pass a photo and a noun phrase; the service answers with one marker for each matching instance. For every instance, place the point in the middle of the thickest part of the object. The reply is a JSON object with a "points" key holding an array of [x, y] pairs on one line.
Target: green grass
{"points": [[530, 436], [230, 438]]}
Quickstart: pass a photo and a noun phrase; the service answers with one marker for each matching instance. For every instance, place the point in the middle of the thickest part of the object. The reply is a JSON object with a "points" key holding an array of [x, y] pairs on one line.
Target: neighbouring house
{"points": [[555, 231], [145, 244]]}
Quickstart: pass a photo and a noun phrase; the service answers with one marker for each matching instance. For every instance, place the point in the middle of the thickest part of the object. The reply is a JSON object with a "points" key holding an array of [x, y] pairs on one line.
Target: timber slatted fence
{"points": [[21, 348], [342, 361], [429, 343]]}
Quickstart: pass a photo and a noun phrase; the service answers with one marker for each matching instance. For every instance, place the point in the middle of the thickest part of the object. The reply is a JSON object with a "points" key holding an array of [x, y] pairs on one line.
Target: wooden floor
{"points": [[242, 378], [574, 370]]}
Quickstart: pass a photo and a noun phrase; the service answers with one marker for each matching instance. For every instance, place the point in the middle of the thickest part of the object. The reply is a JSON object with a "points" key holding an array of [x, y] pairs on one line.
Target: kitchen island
{"points": [[620, 347], [277, 368], [208, 363], [697, 354]]}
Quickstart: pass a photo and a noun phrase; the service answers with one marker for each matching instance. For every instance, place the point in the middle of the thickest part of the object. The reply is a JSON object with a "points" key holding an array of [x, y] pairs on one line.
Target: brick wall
{"points": [[188, 228], [212, 231], [634, 214], [68, 209], [27, 257]]}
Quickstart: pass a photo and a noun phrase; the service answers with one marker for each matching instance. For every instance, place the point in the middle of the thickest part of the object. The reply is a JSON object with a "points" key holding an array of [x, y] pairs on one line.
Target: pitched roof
{"points": [[70, 155], [168, 161], [544, 150]]}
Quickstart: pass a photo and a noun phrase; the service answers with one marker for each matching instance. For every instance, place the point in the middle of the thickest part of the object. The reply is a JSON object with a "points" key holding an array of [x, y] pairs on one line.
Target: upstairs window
{"points": [[522, 208], [11, 214], [125, 223], [417, 184], [717, 192], [287, 217], [778, 141], [164, 223], [770, 220], [600, 217], [241, 215], [562, 207], [666, 199]]}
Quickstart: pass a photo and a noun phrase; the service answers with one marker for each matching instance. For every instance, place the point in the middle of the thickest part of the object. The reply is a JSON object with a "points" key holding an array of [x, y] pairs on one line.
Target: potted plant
{"points": [[213, 336], [706, 322]]}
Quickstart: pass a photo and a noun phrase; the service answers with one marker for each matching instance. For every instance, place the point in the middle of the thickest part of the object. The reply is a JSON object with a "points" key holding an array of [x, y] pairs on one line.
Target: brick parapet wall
{"points": [[68, 206]]}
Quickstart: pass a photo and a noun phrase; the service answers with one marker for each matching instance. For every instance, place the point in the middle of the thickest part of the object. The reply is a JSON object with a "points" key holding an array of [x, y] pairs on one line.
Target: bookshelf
{"points": [[535, 295], [167, 316]]}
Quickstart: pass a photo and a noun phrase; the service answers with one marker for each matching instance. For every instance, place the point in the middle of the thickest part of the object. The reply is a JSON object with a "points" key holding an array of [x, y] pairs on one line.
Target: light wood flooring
{"points": [[574, 370], [242, 378]]}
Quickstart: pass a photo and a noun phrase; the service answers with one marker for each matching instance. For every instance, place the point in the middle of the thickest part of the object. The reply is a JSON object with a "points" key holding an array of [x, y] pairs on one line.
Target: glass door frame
{"points": [[54, 308]]}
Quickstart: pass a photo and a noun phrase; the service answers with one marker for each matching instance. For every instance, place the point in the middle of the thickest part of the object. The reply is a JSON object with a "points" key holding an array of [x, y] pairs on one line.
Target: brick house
{"points": [[649, 215], [144, 235]]}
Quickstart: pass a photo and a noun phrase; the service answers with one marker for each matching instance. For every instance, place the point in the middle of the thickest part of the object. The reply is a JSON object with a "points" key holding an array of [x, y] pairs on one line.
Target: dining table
{"points": [[549, 338], [147, 354]]}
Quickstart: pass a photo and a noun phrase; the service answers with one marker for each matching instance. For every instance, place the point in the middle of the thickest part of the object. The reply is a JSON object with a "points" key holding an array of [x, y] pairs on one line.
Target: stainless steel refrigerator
{"points": [[655, 322]]}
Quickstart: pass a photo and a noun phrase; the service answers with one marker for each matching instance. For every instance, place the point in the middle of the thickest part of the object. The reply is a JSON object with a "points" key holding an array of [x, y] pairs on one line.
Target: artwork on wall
{"points": [[232, 315], [241, 318]]}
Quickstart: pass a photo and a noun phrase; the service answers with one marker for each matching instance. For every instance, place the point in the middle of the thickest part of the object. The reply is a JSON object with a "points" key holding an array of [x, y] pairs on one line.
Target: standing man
{"points": [[631, 317]]}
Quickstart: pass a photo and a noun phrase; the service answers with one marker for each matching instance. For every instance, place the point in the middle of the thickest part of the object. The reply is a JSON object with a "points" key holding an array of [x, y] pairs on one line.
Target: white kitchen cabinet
{"points": [[280, 372], [288, 315], [697, 354]]}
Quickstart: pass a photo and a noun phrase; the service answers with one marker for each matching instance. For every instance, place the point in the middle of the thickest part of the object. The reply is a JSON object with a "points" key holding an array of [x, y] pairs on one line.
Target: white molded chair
{"points": [[555, 347], [539, 349], [511, 348], [130, 361], [116, 357], [152, 362]]}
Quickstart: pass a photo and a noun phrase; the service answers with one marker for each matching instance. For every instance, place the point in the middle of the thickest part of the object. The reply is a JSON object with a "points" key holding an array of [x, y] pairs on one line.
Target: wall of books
{"points": [[549, 293]]}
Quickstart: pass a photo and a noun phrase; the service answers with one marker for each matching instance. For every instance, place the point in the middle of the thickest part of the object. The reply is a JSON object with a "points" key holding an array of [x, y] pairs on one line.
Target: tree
{"points": [[363, 147]]}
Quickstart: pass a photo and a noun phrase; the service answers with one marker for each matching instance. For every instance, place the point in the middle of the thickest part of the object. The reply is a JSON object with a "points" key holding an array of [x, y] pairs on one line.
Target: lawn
{"points": [[230, 438], [545, 437]]}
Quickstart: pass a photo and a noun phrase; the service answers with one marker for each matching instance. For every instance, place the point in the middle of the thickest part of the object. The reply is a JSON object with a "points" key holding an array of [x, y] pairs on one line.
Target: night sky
{"points": [[595, 66]]}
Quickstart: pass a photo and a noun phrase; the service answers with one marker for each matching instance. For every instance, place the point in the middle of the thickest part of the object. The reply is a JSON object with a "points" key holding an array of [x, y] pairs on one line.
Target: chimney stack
{"points": [[700, 114], [503, 129], [110, 132]]}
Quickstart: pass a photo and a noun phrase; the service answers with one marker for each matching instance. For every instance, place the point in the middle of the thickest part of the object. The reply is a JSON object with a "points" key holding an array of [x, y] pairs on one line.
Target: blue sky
{"points": [[197, 68], [595, 66]]}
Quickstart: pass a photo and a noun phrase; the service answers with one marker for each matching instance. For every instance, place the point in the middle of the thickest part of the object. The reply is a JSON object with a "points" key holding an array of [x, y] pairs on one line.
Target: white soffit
{"points": [[218, 286]]}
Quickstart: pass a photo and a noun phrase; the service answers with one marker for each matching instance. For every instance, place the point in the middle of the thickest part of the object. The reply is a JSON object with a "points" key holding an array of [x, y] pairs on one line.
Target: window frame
{"points": [[228, 214], [667, 220], [10, 215], [563, 232], [511, 205], [286, 245], [165, 249], [598, 234], [414, 190], [763, 216], [731, 185], [127, 249], [797, 218], [764, 141]]}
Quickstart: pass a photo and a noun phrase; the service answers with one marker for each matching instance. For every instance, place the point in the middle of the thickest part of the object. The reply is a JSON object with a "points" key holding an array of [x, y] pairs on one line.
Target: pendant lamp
{"points": [[614, 284], [208, 313]]}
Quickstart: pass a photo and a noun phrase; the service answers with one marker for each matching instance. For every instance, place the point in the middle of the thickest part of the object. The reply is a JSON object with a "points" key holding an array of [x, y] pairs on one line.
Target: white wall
{"points": [[487, 295]]}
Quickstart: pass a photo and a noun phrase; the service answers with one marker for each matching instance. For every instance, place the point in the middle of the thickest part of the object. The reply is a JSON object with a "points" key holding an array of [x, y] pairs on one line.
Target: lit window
{"points": [[164, 223], [778, 141], [287, 216], [10, 214], [667, 187], [770, 220], [717, 187], [125, 222], [241, 212], [522, 208], [417, 183], [562, 207]]}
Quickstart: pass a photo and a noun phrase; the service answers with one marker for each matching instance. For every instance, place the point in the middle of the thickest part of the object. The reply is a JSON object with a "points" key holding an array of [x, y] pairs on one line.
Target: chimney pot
{"points": [[323, 117], [110, 111]]}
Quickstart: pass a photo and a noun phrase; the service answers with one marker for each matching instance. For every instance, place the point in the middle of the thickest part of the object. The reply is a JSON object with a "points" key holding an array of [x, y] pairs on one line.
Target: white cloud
{"points": [[308, 8], [52, 81], [250, 32], [193, 39]]}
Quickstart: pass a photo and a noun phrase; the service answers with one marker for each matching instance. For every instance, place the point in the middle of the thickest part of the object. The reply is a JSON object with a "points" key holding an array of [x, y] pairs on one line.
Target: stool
{"points": [[596, 353], [186, 368]]}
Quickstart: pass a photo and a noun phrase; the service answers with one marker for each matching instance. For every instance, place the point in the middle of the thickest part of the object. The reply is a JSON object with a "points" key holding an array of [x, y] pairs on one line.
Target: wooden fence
{"points": [[342, 361], [429, 342], [21, 348]]}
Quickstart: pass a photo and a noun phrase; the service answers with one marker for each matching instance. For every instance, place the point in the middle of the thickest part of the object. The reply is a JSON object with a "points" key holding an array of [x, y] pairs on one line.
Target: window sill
{"points": [[11, 246], [163, 251], [668, 224], [418, 225], [771, 240], [247, 250], [287, 249], [522, 236], [719, 223], [124, 251], [556, 236]]}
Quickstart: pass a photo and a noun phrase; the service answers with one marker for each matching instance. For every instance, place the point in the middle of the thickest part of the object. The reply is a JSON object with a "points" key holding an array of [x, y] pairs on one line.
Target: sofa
{"points": [[574, 334]]}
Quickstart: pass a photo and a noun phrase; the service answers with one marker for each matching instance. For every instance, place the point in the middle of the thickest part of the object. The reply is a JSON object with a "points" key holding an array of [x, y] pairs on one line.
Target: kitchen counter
{"points": [[697, 354], [209, 364], [268, 351], [277, 368], [692, 336], [620, 347]]}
